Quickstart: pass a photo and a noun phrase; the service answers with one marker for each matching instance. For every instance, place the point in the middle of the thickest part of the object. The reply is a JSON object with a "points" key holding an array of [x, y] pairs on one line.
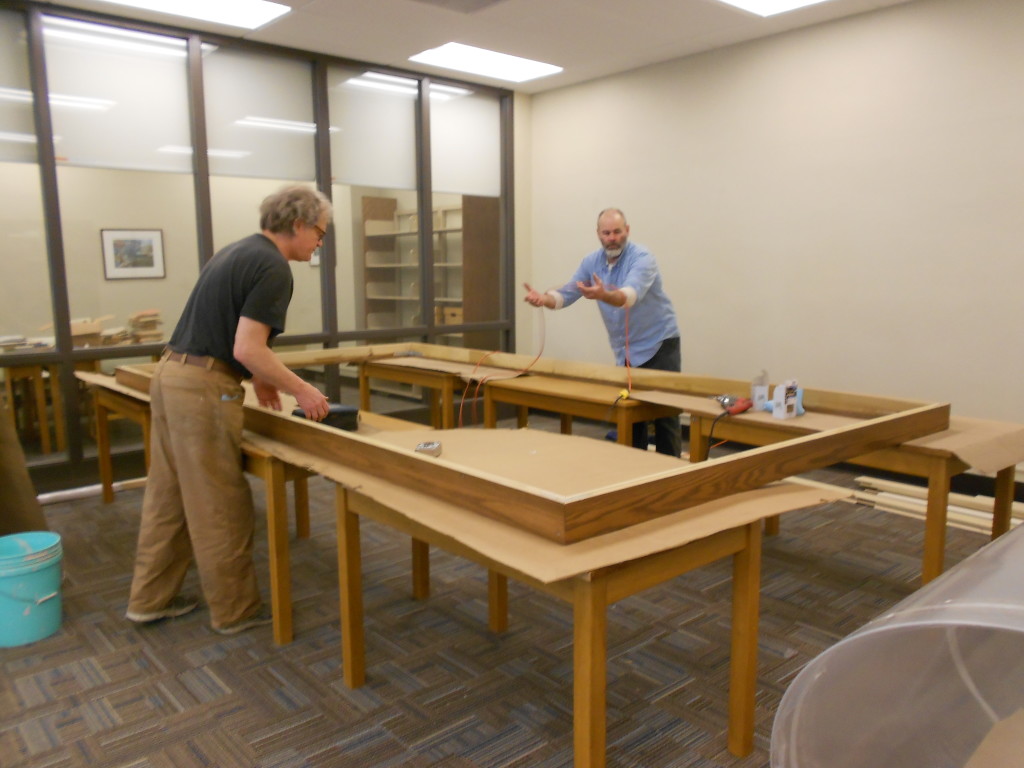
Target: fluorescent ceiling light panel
{"points": [[479, 61], [233, 154], [770, 7], [18, 138], [247, 14], [447, 91], [275, 124], [57, 100], [113, 37], [378, 81]]}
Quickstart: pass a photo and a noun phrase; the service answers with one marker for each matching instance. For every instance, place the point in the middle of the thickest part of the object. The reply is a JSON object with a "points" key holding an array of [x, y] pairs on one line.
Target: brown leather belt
{"points": [[203, 361]]}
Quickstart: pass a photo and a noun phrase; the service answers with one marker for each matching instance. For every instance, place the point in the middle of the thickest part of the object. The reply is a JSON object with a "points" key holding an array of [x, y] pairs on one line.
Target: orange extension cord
{"points": [[543, 336]]}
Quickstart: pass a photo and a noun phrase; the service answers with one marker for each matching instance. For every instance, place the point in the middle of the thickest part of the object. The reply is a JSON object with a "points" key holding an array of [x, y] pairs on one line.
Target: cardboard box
{"points": [[448, 315]]}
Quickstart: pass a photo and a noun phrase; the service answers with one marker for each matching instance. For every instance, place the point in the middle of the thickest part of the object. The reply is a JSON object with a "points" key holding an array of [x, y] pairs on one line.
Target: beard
{"points": [[613, 253]]}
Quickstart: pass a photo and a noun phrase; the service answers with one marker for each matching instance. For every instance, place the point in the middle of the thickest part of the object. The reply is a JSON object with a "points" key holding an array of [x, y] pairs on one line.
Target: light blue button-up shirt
{"points": [[651, 317]]}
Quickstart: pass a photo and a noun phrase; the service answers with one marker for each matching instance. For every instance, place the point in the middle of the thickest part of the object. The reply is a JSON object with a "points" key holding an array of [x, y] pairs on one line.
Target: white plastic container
{"points": [[936, 682]]}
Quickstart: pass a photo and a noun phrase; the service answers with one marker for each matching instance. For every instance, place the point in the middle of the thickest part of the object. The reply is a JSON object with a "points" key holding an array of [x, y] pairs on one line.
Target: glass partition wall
{"points": [[129, 154]]}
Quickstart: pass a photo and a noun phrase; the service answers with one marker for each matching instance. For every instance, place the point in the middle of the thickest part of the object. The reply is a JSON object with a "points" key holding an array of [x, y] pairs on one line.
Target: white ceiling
{"points": [[587, 38]]}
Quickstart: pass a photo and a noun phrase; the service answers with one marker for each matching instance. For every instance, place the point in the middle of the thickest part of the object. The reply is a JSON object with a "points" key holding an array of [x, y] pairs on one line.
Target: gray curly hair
{"points": [[280, 211]]}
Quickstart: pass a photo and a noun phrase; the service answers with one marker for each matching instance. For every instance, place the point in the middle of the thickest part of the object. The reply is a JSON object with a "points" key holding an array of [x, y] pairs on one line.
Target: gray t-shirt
{"points": [[249, 278]]}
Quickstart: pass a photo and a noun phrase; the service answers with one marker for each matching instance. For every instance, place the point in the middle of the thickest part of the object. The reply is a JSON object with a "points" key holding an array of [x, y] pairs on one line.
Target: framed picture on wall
{"points": [[130, 254]]}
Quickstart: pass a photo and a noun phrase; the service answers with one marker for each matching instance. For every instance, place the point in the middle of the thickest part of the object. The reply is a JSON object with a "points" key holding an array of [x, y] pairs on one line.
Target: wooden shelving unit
{"points": [[464, 264]]}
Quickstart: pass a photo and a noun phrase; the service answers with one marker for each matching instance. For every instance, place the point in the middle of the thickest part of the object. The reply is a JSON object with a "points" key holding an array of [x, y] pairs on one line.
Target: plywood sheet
{"points": [[988, 446], [562, 466]]}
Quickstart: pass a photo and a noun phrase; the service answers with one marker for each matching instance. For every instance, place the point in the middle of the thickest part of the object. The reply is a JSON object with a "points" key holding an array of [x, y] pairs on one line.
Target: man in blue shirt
{"points": [[623, 278]]}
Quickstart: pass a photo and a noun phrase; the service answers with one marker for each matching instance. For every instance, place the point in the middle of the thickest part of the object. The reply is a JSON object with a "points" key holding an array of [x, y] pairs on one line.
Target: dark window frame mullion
{"points": [[60, 303], [200, 145], [328, 249], [425, 207]]}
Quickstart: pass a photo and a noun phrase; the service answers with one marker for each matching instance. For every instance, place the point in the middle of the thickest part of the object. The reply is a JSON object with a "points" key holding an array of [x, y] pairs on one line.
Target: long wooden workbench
{"points": [[591, 574]]}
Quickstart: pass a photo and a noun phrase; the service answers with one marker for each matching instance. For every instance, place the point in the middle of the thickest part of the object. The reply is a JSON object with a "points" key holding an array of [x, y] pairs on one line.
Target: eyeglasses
{"points": [[321, 233]]}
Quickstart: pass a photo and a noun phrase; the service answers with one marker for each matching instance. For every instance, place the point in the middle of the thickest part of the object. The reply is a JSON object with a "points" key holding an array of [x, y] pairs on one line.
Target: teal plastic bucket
{"points": [[30, 576]]}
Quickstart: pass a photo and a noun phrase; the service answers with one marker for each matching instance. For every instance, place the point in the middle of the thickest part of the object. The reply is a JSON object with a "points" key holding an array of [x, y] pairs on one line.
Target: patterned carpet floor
{"points": [[441, 690]]}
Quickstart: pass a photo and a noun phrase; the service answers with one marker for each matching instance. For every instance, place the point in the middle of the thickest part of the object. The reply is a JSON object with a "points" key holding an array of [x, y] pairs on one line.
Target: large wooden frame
{"points": [[884, 422]]}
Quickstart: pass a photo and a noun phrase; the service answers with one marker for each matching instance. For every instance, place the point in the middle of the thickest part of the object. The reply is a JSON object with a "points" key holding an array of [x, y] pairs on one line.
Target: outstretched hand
{"points": [[534, 297], [593, 290]]}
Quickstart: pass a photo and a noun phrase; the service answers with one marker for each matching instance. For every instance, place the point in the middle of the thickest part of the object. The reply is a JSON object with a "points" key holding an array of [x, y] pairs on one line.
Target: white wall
{"points": [[842, 204]]}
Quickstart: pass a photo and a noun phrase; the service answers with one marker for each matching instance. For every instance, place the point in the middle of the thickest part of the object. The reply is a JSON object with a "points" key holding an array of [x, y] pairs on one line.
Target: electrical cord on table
{"points": [[480, 382], [711, 431], [625, 393]]}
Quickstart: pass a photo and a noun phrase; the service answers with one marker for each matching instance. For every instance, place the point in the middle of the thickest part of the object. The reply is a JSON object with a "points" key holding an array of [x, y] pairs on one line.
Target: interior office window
{"points": [[373, 163], [261, 136], [465, 162], [27, 317], [119, 105], [26, 314]]}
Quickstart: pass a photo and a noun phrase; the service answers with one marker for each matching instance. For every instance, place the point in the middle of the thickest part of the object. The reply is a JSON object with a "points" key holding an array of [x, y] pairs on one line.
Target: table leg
{"points": [[590, 651], [623, 428], [935, 520], [350, 583], [490, 410], [420, 569], [522, 417], [698, 444], [300, 489], [272, 472], [58, 408], [1005, 481], [103, 449], [39, 388], [364, 390], [435, 409], [746, 591], [448, 402], [565, 423], [497, 602]]}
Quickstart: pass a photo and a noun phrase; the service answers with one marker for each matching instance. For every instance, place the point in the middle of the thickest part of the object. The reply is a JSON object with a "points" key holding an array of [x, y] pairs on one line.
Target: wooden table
{"points": [[590, 575], [34, 376], [569, 398], [479, 501], [441, 378], [590, 594], [934, 457], [440, 384]]}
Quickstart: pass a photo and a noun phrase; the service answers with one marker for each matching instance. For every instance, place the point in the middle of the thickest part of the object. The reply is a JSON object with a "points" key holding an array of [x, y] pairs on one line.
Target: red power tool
{"points": [[733, 405]]}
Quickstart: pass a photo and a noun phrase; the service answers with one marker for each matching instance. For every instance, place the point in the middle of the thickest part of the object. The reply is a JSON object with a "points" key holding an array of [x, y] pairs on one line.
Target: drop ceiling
{"points": [[588, 38]]}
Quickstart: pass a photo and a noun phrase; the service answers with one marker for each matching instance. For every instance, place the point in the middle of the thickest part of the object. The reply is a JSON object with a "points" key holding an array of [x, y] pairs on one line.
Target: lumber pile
{"points": [[973, 513], [144, 326]]}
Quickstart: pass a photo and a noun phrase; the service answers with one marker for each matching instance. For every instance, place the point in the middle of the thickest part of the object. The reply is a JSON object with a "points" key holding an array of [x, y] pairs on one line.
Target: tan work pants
{"points": [[197, 501]]}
